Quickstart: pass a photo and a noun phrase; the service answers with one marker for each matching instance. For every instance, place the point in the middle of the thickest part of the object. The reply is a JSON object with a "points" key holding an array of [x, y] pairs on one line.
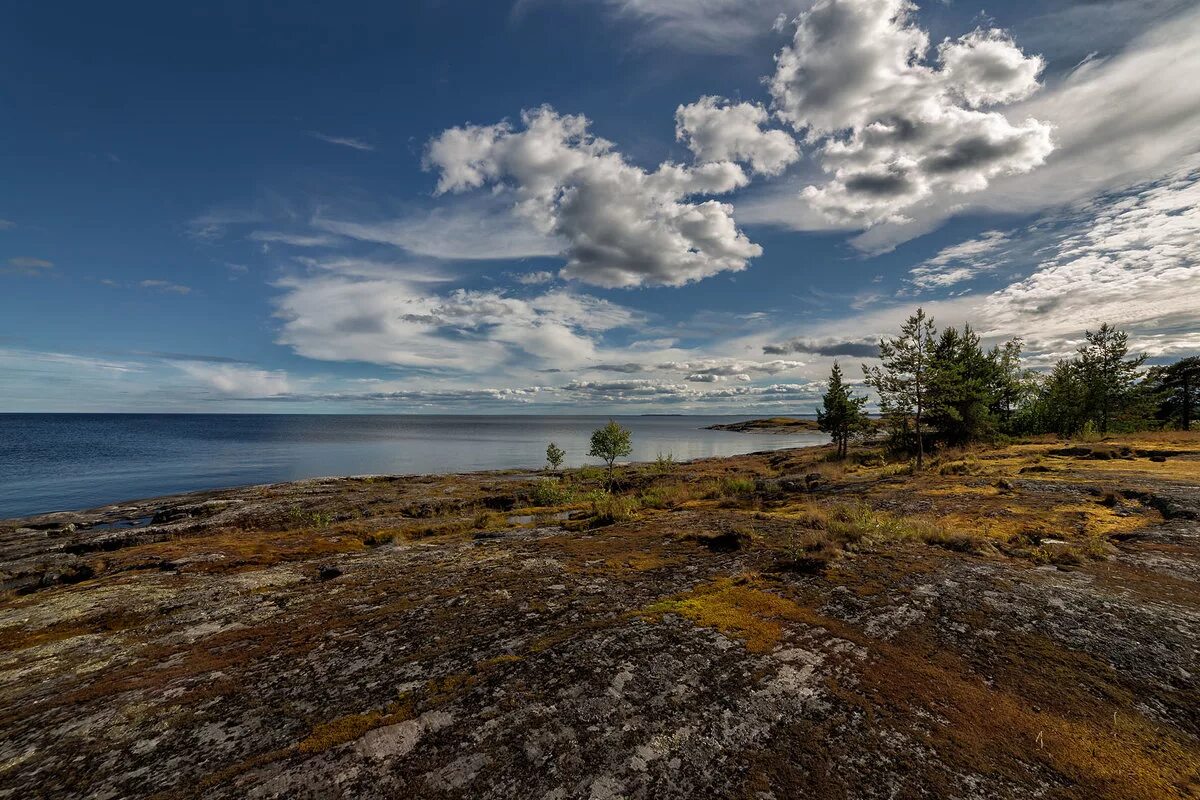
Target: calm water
{"points": [[54, 462]]}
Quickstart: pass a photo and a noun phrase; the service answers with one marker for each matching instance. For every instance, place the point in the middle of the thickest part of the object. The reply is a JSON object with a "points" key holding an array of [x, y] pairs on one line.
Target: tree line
{"points": [[944, 389]]}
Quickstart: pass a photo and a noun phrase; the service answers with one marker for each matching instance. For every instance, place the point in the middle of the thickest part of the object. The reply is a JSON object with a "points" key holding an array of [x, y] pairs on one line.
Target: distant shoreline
{"points": [[769, 425]]}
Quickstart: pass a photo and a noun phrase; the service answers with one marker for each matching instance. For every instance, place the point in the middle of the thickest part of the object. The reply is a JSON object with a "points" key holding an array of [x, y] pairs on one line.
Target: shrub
{"points": [[610, 508], [730, 486], [665, 495], [665, 465], [809, 552], [551, 493]]}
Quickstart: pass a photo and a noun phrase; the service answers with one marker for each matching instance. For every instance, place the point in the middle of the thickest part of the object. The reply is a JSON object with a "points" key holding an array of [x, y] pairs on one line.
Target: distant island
{"points": [[769, 425]]}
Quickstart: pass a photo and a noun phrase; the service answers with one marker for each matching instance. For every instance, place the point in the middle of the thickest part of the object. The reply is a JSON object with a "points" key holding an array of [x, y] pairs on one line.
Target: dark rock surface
{"points": [[383, 638]]}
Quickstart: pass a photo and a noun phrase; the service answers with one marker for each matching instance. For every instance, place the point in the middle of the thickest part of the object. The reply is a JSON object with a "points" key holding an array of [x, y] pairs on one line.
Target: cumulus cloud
{"points": [[716, 130], [350, 311], [896, 130], [238, 381], [1117, 122], [623, 226]]}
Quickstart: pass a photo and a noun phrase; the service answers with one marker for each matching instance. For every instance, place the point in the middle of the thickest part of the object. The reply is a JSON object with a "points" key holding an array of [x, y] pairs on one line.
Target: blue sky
{"points": [[616, 205]]}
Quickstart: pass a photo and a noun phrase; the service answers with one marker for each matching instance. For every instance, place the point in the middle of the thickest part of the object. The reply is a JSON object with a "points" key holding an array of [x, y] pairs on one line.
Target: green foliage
{"points": [[610, 443], [841, 415], [610, 508], [554, 455], [665, 464], [1109, 375], [1174, 391], [665, 495], [903, 379], [551, 493], [964, 384]]}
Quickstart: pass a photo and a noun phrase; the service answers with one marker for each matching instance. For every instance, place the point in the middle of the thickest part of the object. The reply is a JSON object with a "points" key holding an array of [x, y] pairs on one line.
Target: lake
{"points": [[59, 462]]}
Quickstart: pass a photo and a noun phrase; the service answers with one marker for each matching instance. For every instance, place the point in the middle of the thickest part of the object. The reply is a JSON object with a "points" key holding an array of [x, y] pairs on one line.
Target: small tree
{"points": [[842, 416], [610, 443], [903, 379], [554, 456]]}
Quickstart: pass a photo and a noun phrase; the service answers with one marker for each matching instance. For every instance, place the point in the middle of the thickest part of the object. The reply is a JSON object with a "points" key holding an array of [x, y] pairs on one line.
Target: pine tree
{"points": [[1013, 383], [1176, 389], [842, 415], [963, 382], [903, 379], [1109, 376]]}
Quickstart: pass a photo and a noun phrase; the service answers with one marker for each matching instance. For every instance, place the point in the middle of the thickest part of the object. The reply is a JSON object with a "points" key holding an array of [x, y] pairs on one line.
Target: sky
{"points": [[570, 206]]}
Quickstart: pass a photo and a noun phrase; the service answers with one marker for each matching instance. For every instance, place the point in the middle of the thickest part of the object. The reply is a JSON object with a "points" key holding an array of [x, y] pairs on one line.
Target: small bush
{"points": [[610, 508], [665, 495], [551, 493], [808, 552], [731, 487], [665, 464]]}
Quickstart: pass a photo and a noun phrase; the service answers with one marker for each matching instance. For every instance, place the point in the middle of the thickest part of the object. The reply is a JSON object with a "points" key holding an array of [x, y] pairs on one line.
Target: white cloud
{"points": [[32, 267], [293, 239], [895, 130], [165, 286], [348, 311], [709, 26], [482, 229], [1117, 121], [959, 262], [1131, 259], [715, 129], [238, 381], [623, 226], [535, 278], [343, 141]]}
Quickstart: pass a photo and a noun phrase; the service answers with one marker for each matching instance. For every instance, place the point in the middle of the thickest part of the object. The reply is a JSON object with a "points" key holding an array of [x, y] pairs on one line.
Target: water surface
{"points": [[55, 462]]}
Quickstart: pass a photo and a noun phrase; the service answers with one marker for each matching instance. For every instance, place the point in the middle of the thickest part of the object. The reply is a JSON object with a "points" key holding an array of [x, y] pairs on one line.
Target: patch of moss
{"points": [[737, 607]]}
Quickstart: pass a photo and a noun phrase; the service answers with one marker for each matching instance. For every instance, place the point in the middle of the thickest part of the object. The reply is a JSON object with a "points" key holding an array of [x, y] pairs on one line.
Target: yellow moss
{"points": [[352, 726], [736, 607], [641, 561]]}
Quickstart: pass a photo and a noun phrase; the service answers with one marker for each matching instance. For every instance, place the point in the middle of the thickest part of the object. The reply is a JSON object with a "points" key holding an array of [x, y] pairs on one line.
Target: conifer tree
{"points": [[1177, 391], [903, 380], [1109, 374], [842, 415]]}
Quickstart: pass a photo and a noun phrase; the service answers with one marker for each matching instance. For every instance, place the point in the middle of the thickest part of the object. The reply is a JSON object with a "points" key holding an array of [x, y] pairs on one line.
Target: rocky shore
{"points": [[1012, 623]]}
